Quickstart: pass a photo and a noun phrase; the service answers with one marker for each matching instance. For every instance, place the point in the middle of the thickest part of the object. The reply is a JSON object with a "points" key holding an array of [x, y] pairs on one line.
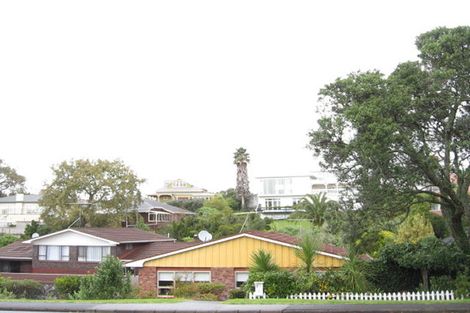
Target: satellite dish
{"points": [[35, 235], [204, 236]]}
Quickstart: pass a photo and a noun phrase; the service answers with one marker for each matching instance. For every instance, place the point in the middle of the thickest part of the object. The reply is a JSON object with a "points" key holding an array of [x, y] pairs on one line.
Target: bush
{"points": [[443, 282], [462, 284], [236, 294], [199, 291], [29, 289], [277, 284], [6, 239], [67, 286], [109, 282]]}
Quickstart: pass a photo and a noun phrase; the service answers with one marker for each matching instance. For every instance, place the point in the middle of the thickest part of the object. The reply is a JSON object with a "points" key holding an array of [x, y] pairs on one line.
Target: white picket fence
{"points": [[395, 296]]}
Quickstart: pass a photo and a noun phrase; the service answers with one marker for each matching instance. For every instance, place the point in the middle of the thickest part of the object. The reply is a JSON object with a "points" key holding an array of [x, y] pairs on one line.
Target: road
{"points": [[212, 307]]}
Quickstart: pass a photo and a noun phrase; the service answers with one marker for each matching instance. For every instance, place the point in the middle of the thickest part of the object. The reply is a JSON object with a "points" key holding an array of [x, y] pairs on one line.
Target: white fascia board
{"points": [[140, 263], [114, 243]]}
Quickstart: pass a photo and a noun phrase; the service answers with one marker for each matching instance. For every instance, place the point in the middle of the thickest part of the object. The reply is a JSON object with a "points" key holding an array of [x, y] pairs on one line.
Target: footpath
{"points": [[213, 307]]}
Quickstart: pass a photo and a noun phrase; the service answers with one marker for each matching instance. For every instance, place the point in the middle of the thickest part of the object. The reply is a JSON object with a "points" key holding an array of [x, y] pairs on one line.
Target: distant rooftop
{"points": [[149, 204], [179, 186]]}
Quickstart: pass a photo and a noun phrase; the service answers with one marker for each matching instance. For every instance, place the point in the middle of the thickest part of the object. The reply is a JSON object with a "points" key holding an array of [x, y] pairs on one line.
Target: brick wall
{"points": [[148, 281], [72, 266], [224, 275]]}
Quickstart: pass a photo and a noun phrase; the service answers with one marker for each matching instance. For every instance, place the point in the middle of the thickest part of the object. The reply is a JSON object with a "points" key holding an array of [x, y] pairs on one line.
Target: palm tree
{"points": [[241, 159], [262, 261], [308, 250], [315, 207]]}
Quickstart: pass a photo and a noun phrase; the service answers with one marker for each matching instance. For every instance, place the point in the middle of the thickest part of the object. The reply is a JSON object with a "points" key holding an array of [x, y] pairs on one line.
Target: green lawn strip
{"points": [[301, 301], [149, 300]]}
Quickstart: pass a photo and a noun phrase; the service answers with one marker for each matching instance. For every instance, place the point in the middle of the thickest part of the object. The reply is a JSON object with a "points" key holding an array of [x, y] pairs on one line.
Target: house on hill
{"points": [[178, 189], [225, 261], [156, 214], [18, 211]]}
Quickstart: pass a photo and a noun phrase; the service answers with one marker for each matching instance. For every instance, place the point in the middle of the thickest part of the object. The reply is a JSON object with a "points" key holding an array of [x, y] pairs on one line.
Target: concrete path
{"points": [[213, 307]]}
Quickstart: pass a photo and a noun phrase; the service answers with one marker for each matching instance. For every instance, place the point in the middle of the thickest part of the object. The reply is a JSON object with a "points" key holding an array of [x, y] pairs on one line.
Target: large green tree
{"points": [[241, 158], [100, 192], [10, 180], [393, 138]]}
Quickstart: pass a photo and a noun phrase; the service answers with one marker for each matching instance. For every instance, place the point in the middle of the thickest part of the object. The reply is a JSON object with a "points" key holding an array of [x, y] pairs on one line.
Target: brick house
{"points": [[72, 251], [223, 261]]}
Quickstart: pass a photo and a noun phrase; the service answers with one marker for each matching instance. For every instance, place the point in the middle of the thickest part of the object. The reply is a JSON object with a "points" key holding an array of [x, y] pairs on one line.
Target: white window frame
{"points": [[154, 217], [43, 254], [173, 273], [240, 272], [87, 258]]}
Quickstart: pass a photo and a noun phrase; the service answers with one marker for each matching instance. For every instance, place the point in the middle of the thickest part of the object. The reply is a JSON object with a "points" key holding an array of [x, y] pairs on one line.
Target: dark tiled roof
{"points": [[148, 204], [157, 248], [294, 241], [123, 235], [17, 250]]}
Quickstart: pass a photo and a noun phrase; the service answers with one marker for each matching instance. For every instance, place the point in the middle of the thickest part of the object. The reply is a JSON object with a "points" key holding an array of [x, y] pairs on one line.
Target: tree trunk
{"points": [[425, 278], [457, 230]]}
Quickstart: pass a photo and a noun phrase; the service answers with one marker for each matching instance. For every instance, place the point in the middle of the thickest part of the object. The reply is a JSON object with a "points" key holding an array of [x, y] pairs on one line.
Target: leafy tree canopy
{"points": [[100, 192], [10, 180], [393, 138]]}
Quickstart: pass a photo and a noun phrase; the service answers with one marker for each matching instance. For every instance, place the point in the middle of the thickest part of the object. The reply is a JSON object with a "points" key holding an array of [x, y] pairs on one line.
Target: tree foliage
{"points": [[100, 192], [315, 207], [262, 262], [308, 245], [109, 282], [10, 180], [393, 138]]}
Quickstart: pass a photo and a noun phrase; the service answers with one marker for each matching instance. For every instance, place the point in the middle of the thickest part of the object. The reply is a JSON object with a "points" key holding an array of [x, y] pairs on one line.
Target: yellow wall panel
{"points": [[237, 253]]}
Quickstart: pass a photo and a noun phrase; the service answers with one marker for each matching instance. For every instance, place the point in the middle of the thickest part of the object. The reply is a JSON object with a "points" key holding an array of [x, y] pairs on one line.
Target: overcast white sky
{"points": [[172, 88]]}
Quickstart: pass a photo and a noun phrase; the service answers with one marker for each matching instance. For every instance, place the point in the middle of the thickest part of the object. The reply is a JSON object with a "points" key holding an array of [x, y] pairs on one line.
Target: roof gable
{"points": [[71, 237], [97, 237]]}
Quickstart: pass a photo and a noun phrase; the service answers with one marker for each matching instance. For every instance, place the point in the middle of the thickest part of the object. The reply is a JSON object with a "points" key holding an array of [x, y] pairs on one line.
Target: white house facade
{"points": [[278, 194], [18, 211]]}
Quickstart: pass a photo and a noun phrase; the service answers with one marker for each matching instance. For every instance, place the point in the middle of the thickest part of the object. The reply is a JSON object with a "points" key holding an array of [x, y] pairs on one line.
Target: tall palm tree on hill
{"points": [[241, 159]]}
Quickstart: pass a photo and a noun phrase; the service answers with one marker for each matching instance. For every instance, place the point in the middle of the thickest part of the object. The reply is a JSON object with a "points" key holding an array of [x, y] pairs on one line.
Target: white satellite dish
{"points": [[204, 236], [35, 235]]}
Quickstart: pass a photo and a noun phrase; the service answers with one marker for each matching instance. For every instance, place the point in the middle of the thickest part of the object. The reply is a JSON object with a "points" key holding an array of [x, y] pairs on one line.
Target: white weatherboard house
{"points": [[278, 194], [18, 211]]}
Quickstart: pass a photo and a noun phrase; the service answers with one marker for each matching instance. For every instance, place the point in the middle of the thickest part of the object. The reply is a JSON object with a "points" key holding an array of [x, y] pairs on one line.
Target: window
{"points": [[241, 278], [53, 253], [93, 254], [166, 280], [272, 204]]}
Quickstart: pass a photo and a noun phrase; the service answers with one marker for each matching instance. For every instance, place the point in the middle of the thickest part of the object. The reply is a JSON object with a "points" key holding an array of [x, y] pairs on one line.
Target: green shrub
{"points": [[236, 294], [5, 294], [307, 282], [109, 282], [67, 286], [199, 291], [462, 284], [29, 289], [277, 284], [6, 239], [443, 282]]}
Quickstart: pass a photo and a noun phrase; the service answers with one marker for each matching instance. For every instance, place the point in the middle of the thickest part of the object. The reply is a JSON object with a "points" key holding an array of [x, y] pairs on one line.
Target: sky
{"points": [[173, 88]]}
